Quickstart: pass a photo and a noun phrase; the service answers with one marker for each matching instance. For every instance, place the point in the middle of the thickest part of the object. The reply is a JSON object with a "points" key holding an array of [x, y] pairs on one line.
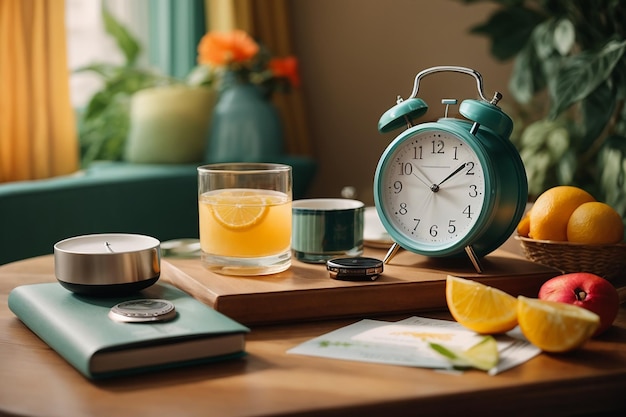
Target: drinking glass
{"points": [[245, 217]]}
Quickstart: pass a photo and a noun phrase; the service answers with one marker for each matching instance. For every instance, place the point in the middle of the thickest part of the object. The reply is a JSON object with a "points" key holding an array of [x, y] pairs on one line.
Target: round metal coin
{"points": [[143, 311]]}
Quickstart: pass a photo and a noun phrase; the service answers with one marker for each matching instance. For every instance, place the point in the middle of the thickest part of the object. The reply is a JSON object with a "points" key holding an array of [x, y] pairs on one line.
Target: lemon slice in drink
{"points": [[239, 209], [479, 307], [483, 355], [553, 326]]}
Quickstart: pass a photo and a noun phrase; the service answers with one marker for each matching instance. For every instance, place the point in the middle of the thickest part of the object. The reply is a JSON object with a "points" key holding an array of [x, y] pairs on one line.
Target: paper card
{"points": [[418, 337], [457, 329], [406, 343], [390, 343], [518, 351], [513, 348], [343, 344]]}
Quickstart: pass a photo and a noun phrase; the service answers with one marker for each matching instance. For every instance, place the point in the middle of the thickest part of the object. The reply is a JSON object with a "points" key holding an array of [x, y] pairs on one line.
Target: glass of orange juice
{"points": [[245, 217]]}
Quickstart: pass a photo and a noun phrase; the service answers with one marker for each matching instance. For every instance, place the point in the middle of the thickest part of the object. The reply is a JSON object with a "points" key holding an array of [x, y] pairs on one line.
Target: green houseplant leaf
{"points": [[536, 64], [506, 43], [527, 78], [105, 123], [613, 179], [583, 73], [597, 111], [125, 41]]}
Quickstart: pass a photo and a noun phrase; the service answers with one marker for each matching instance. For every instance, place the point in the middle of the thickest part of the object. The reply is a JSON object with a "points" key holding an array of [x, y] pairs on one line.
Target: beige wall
{"points": [[356, 56]]}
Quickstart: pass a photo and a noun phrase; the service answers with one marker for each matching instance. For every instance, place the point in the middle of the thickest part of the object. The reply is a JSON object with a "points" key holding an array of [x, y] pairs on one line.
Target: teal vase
{"points": [[245, 126]]}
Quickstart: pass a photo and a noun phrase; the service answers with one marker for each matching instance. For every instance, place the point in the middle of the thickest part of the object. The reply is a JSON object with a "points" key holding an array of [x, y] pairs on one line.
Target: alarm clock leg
{"points": [[391, 253], [475, 260]]}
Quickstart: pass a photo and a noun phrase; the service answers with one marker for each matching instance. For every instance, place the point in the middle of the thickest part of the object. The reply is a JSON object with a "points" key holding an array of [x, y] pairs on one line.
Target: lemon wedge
{"points": [[479, 307], [483, 355], [555, 327]]}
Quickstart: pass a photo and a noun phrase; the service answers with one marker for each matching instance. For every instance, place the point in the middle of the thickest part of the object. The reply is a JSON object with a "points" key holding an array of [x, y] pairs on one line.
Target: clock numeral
{"points": [[406, 168], [397, 186], [434, 229], [403, 210], [456, 148], [470, 168], [468, 211], [473, 192], [451, 227], [438, 146], [417, 152]]}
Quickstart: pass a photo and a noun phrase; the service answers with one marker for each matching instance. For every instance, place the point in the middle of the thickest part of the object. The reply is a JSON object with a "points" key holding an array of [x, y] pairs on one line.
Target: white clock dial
{"points": [[433, 189]]}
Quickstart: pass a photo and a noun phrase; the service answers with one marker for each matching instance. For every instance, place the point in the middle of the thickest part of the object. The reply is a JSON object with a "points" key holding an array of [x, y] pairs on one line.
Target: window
{"points": [[89, 43]]}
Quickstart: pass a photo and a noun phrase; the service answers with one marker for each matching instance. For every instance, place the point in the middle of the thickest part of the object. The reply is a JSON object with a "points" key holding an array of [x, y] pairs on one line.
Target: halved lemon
{"points": [[479, 307], [239, 209], [553, 326]]}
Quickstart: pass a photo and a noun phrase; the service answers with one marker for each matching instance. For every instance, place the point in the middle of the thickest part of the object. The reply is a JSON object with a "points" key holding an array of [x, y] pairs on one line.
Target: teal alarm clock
{"points": [[452, 186]]}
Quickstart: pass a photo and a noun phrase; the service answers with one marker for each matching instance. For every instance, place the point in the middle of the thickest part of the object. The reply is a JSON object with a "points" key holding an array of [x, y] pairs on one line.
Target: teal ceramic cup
{"points": [[325, 228]]}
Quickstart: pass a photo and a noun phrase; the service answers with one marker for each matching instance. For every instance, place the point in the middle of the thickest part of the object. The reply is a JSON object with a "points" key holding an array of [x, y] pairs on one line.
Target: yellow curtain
{"points": [[268, 21], [37, 127]]}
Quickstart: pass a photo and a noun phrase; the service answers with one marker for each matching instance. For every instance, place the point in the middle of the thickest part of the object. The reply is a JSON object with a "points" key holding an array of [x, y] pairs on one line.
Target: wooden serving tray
{"points": [[410, 283]]}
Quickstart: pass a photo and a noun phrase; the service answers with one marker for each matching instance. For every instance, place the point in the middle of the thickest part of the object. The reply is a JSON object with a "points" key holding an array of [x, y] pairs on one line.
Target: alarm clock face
{"points": [[432, 190]]}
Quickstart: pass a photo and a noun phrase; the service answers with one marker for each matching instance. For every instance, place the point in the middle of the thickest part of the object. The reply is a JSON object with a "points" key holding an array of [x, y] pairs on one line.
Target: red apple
{"points": [[586, 290]]}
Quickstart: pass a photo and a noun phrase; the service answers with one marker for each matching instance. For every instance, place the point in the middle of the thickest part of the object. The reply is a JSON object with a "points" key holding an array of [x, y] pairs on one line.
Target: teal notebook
{"points": [[80, 330]]}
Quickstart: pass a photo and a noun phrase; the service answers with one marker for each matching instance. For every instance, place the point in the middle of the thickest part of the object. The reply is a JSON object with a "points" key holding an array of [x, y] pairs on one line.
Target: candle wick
{"points": [[108, 245]]}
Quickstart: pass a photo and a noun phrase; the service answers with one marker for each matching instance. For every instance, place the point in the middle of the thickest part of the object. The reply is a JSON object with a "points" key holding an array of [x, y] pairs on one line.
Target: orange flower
{"points": [[286, 68], [237, 53], [216, 48]]}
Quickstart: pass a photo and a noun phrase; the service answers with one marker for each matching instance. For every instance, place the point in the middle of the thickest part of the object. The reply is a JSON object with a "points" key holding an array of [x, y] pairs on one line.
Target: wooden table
{"points": [[35, 381]]}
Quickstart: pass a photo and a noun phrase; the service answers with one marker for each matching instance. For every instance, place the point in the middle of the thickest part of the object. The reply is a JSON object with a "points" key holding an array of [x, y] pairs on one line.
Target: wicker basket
{"points": [[608, 261]]}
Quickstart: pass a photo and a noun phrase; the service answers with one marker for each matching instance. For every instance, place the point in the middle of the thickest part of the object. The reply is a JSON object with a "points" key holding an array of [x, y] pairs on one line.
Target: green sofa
{"points": [[109, 197]]}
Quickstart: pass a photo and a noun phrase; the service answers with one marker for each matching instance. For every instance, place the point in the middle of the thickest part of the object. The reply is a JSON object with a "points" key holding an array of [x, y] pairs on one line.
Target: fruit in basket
{"points": [[523, 227], [586, 290], [595, 223], [479, 307], [551, 211], [553, 326]]}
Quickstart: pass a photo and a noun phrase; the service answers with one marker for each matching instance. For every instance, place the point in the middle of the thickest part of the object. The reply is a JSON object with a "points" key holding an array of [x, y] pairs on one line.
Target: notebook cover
{"points": [[79, 328]]}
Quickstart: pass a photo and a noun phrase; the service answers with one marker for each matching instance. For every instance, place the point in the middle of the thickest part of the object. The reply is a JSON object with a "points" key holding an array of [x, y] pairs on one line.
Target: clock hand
{"points": [[456, 171], [425, 182]]}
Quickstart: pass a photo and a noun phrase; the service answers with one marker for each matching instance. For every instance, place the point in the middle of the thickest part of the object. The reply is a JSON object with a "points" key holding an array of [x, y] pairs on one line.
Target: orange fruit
{"points": [[554, 326], [479, 307], [523, 227], [595, 223], [552, 210]]}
